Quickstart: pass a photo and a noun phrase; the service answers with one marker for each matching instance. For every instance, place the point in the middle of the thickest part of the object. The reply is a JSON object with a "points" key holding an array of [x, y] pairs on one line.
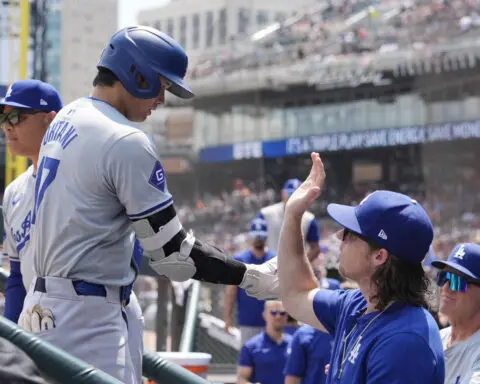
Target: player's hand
{"points": [[309, 190], [327, 367]]}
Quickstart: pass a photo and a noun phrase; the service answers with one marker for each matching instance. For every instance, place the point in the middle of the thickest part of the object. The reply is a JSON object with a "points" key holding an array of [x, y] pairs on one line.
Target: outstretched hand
{"points": [[309, 190]]}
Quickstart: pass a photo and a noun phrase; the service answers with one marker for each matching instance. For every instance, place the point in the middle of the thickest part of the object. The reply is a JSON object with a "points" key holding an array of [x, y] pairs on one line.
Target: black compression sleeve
{"points": [[214, 267], [211, 263]]}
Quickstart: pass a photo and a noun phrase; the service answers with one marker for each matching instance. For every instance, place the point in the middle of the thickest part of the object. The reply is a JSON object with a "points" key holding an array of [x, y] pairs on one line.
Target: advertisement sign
{"points": [[294, 146]]}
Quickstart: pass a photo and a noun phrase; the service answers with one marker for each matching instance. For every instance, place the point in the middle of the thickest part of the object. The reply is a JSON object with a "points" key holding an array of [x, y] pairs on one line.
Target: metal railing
{"points": [[69, 369]]}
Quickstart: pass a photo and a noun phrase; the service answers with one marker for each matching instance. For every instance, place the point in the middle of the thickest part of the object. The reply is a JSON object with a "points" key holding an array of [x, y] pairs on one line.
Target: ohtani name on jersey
{"points": [[61, 131], [22, 235]]}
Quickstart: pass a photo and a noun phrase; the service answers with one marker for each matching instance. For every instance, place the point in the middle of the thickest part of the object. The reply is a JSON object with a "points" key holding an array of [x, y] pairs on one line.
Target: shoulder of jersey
{"points": [[98, 113], [309, 215], [16, 185], [272, 208]]}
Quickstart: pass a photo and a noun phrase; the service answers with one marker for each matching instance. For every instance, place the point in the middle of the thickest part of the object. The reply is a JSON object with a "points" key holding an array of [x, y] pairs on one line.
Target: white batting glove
{"points": [[261, 280]]}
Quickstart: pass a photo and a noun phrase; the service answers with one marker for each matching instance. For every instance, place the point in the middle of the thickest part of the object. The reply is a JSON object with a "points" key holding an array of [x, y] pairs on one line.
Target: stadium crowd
{"points": [[224, 218], [330, 33]]}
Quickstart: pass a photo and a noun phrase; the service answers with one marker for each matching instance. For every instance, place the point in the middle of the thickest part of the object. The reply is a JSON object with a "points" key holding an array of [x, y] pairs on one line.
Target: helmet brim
{"points": [[179, 88]]}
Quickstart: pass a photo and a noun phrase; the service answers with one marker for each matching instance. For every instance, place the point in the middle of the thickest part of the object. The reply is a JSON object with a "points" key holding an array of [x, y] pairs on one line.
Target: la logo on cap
{"points": [[460, 253]]}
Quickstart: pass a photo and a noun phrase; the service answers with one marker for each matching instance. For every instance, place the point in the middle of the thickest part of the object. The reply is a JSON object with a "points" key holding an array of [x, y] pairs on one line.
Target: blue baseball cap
{"points": [[291, 185], [391, 220], [465, 258], [258, 228], [32, 94]]}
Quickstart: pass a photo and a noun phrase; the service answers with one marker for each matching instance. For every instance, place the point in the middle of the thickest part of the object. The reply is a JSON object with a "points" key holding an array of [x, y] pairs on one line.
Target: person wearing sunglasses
{"points": [[263, 357], [383, 332], [25, 114], [459, 282]]}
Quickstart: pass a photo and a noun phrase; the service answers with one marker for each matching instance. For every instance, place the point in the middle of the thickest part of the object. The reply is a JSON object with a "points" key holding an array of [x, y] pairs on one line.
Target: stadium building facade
{"points": [[400, 125]]}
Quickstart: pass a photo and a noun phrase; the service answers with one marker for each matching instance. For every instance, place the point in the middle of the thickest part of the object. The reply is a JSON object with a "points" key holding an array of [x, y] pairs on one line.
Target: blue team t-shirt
{"points": [[249, 309], [265, 357], [308, 354], [401, 346]]}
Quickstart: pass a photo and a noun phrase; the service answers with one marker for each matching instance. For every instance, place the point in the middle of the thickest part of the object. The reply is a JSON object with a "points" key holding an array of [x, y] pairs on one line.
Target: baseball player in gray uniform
{"points": [[100, 184], [25, 114]]}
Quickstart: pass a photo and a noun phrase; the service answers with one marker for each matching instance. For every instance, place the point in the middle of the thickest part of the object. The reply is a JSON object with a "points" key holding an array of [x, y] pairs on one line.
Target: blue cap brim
{"points": [[440, 264], [12, 104], [345, 216]]}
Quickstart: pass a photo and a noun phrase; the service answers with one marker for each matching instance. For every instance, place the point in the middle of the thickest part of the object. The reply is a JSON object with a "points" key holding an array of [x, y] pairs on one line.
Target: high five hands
{"points": [[309, 190]]}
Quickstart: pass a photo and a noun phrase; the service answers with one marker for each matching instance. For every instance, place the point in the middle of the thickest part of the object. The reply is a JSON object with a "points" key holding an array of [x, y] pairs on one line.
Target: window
{"points": [[222, 30], [243, 20], [183, 31], [262, 17], [170, 27], [209, 29], [196, 31]]}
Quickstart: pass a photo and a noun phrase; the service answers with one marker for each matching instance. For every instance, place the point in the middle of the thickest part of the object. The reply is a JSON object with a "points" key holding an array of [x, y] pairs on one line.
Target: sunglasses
{"points": [[347, 233], [278, 313], [457, 283], [14, 116]]}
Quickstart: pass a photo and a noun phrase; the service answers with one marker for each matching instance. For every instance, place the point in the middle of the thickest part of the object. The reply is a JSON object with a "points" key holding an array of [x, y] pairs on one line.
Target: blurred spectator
{"points": [[320, 270], [263, 357], [292, 325], [273, 214], [249, 310], [308, 354]]}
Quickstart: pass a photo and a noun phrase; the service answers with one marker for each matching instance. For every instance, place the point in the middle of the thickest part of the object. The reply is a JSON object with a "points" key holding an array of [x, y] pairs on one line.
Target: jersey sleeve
{"points": [[14, 292], [412, 362], [313, 234], [327, 306], [134, 173], [245, 359], [297, 357]]}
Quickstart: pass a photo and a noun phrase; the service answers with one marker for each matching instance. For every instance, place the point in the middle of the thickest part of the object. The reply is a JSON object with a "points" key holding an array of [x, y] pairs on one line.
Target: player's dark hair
{"points": [[105, 78], [398, 280]]}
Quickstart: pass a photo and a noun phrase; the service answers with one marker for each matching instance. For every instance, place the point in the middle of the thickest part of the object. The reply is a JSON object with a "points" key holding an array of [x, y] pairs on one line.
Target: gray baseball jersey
{"points": [[96, 172], [17, 221], [273, 215], [462, 360]]}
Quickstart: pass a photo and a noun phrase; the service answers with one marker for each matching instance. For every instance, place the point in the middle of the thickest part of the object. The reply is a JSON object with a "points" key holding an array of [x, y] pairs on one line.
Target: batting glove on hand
{"points": [[261, 281]]}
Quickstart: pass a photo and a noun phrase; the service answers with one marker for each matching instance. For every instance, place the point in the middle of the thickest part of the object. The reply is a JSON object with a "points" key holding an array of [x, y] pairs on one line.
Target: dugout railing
{"points": [[62, 367]]}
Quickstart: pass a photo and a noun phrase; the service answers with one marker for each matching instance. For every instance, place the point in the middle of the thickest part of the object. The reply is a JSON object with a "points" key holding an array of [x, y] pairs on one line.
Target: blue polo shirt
{"points": [[400, 346], [308, 354], [249, 309], [333, 284], [266, 358]]}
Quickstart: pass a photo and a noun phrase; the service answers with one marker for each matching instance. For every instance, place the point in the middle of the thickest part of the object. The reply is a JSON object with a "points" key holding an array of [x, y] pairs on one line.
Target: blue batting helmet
{"points": [[138, 51]]}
